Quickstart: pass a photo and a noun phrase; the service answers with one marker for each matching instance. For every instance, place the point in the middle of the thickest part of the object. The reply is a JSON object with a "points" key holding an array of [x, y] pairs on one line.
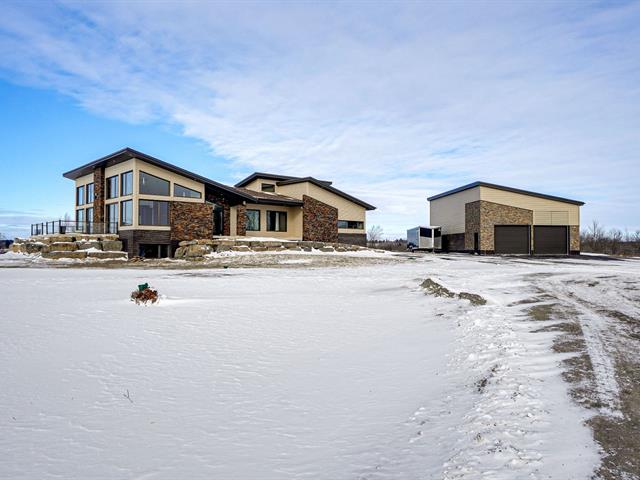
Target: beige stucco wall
{"points": [[294, 222], [448, 212], [545, 211], [137, 165], [233, 221], [347, 210], [256, 184]]}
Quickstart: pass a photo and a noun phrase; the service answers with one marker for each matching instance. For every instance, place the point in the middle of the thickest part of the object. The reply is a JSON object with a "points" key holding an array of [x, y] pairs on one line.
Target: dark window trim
{"points": [[110, 195], [78, 196], [259, 220], [271, 189], [122, 183], [153, 224], [86, 192], [186, 188], [140, 172], [278, 229], [122, 224], [359, 224]]}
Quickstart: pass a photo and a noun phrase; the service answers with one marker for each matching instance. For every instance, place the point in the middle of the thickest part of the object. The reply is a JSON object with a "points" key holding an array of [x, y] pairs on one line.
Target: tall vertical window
{"points": [[153, 212], [126, 183], [126, 213], [90, 193], [80, 195], [112, 217], [89, 220], [80, 218], [276, 221], [152, 185], [253, 220], [112, 187]]}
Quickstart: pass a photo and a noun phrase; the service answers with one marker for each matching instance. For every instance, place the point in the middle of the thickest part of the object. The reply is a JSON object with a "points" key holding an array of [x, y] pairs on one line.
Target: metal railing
{"points": [[67, 227]]}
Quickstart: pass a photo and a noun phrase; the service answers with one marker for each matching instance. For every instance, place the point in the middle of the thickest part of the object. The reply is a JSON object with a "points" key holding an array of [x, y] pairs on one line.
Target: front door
{"points": [[218, 219]]}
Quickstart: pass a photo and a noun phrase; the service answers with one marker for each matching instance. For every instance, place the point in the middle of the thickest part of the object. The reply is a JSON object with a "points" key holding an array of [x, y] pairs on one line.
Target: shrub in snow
{"points": [[144, 294]]}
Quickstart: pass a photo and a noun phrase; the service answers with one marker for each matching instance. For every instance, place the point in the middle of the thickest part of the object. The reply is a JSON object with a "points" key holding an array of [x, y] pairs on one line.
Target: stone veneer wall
{"points": [[574, 239], [134, 238], [99, 194], [353, 239], [481, 216], [190, 221], [220, 200], [319, 221], [241, 220]]}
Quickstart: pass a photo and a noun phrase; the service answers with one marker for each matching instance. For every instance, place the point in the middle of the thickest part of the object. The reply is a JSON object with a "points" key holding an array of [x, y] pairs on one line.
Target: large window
{"points": [[152, 185], [352, 224], [276, 221], [253, 220], [126, 183], [268, 187], [80, 195], [153, 212], [90, 195], [112, 187], [126, 213], [80, 218], [180, 191], [112, 217]]}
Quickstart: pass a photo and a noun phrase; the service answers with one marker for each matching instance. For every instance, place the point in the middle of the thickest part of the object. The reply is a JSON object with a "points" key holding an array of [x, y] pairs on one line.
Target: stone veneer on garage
{"points": [[320, 221], [574, 239], [481, 217], [241, 220]]}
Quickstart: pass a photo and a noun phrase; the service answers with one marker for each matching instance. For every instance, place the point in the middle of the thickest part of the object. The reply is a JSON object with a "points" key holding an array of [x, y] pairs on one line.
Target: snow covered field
{"points": [[295, 372]]}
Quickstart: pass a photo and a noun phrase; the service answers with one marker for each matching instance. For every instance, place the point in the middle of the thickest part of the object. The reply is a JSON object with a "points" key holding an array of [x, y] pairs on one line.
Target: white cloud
{"points": [[392, 102]]}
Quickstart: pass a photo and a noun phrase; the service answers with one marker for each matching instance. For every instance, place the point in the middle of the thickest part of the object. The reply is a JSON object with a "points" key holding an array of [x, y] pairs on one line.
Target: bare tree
{"points": [[375, 233], [615, 239]]}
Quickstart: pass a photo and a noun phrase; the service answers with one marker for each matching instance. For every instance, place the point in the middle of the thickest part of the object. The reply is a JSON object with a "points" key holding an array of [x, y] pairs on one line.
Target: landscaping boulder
{"points": [[63, 247], [78, 254], [108, 255], [194, 251], [112, 245], [89, 244], [240, 248], [327, 249]]}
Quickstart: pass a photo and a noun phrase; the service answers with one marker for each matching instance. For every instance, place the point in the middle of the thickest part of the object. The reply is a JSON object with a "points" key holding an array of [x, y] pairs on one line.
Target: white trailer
{"points": [[424, 238]]}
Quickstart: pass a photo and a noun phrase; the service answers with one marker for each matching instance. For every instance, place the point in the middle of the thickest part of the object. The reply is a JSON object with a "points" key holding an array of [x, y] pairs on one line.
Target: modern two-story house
{"points": [[153, 205]]}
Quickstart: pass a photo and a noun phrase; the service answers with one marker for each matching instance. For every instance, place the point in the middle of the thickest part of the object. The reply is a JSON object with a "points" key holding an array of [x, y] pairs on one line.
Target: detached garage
{"points": [[493, 219]]}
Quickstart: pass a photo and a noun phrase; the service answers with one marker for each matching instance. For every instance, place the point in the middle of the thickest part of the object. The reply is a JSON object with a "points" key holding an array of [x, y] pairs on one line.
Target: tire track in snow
{"points": [[595, 328]]}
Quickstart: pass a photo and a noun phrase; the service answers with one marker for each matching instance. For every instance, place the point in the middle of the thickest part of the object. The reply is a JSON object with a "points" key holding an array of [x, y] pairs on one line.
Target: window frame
{"points": [[80, 211], [89, 197], [109, 192], [122, 223], [279, 215], [140, 223], [259, 220], [80, 198], [359, 224], [141, 173], [188, 189], [271, 187], [122, 194]]}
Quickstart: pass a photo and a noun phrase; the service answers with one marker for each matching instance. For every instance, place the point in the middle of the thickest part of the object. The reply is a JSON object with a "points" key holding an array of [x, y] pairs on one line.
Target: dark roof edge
{"points": [[129, 153], [329, 188], [506, 189], [268, 176]]}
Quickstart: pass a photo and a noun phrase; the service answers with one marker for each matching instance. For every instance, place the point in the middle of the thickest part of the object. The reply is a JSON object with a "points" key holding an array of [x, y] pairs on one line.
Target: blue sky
{"points": [[393, 102]]}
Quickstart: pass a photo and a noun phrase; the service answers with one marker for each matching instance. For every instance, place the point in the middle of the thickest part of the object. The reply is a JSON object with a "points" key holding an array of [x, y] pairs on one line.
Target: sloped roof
{"points": [[275, 198], [289, 180], [507, 189]]}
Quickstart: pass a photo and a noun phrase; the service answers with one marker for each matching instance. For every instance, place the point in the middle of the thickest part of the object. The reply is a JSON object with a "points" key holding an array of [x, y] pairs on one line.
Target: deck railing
{"points": [[66, 227]]}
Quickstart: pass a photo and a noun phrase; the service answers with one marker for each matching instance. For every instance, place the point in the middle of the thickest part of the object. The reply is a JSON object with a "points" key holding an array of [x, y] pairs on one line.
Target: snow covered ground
{"points": [[301, 372]]}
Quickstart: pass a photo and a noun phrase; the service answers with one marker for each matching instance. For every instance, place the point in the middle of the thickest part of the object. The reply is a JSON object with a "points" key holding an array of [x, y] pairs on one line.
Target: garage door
{"points": [[511, 239], [550, 240]]}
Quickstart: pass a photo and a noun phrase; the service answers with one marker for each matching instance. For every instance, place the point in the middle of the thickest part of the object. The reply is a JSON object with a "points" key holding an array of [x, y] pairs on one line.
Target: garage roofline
{"points": [[506, 189]]}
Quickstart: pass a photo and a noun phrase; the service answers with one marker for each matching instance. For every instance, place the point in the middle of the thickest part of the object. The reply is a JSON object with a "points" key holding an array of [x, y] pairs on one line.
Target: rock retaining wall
{"points": [[74, 247], [197, 249]]}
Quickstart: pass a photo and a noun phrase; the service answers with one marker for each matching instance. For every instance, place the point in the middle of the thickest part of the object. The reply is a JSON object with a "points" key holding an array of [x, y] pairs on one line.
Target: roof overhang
{"points": [[129, 153], [506, 189]]}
